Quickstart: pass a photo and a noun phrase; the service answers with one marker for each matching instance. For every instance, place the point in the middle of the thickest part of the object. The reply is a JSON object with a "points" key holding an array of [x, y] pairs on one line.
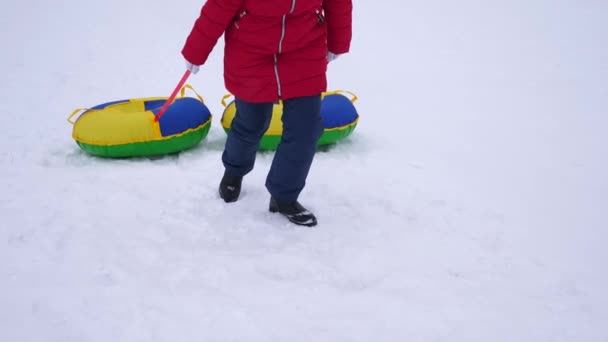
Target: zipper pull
{"points": [[320, 16]]}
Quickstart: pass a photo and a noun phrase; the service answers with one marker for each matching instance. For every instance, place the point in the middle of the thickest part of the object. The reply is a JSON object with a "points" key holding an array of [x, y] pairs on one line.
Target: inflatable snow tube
{"points": [[128, 128], [338, 112]]}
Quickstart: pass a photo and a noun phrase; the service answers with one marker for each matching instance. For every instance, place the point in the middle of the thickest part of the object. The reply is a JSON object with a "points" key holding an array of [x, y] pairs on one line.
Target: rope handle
{"points": [[188, 86], [353, 99], [224, 98], [74, 113]]}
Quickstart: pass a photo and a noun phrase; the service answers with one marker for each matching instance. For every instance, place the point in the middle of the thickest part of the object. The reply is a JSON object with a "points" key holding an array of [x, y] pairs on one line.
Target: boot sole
{"points": [[276, 210]]}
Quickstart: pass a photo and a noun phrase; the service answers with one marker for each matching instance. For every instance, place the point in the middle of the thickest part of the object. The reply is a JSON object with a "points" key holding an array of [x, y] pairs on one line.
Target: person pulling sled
{"points": [[274, 50]]}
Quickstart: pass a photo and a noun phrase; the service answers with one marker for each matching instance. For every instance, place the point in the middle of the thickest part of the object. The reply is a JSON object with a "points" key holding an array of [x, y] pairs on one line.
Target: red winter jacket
{"points": [[274, 48]]}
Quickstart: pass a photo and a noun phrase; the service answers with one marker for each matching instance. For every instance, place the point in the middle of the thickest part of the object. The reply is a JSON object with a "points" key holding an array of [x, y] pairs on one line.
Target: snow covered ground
{"points": [[469, 204]]}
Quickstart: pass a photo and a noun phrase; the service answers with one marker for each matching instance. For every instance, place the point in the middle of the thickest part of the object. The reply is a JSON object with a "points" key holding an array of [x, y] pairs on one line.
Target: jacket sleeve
{"points": [[338, 15], [215, 17]]}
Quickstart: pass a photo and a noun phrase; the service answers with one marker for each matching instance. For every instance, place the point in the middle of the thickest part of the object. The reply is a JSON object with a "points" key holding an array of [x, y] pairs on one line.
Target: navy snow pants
{"points": [[302, 127]]}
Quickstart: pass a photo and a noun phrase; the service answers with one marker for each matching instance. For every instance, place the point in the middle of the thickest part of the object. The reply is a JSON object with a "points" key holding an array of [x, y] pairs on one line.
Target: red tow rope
{"points": [[173, 95]]}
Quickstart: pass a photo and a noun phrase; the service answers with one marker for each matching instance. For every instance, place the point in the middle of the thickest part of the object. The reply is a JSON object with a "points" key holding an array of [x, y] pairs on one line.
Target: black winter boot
{"points": [[230, 187], [294, 211]]}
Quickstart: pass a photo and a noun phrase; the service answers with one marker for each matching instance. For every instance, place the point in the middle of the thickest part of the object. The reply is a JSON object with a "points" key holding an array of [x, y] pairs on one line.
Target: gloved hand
{"points": [[331, 56], [193, 68]]}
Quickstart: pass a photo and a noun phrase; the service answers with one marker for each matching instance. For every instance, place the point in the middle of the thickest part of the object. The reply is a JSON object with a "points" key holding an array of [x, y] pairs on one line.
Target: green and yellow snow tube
{"points": [[128, 128], [338, 112]]}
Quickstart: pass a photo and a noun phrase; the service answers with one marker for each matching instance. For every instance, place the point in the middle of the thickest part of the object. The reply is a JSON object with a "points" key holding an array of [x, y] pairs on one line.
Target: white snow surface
{"points": [[468, 205]]}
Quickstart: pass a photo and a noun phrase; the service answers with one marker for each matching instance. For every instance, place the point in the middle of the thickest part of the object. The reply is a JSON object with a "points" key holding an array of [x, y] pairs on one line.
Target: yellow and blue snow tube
{"points": [[338, 112], [128, 128]]}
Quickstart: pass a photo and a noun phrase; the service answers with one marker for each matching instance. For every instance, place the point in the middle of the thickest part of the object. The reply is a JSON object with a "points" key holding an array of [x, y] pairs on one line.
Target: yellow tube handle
{"points": [[341, 92], [74, 113], [187, 86], [226, 97]]}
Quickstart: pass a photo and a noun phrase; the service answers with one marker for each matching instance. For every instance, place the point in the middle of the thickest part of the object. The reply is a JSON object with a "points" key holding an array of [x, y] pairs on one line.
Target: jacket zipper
{"points": [[276, 56]]}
